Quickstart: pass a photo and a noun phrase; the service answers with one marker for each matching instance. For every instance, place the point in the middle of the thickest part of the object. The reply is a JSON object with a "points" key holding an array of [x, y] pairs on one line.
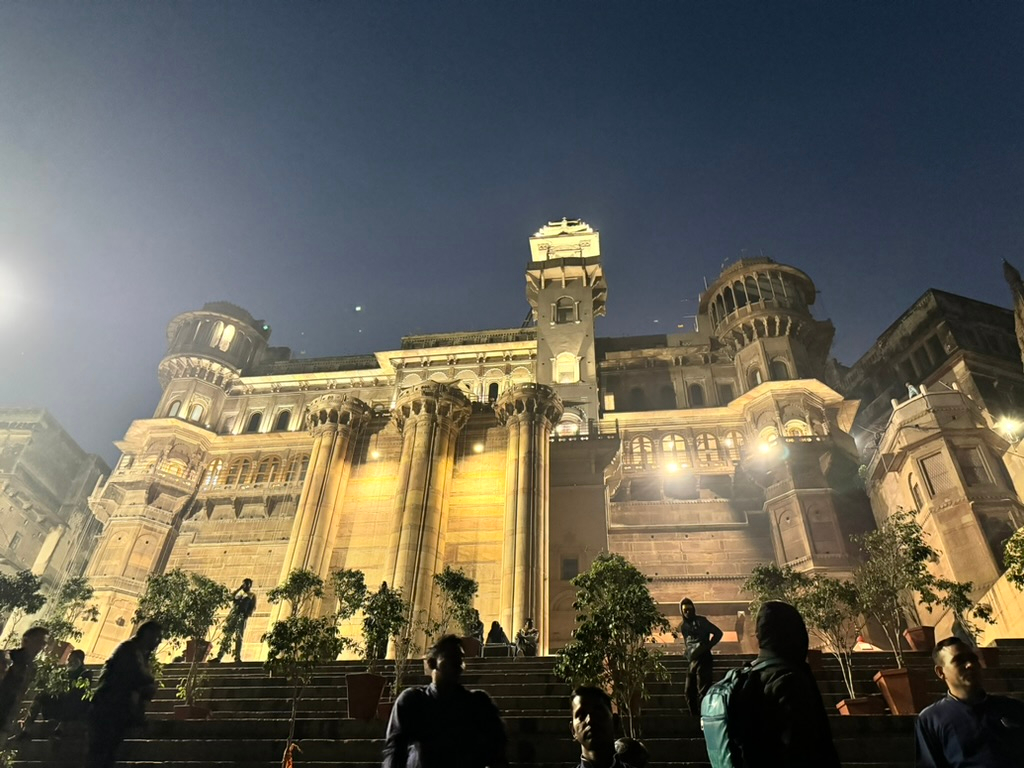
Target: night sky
{"points": [[303, 159]]}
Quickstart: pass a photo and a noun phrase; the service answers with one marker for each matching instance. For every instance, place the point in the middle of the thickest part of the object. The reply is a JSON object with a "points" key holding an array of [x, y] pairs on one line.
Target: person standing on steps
{"points": [[242, 606], [126, 686], [700, 636], [444, 725], [19, 675]]}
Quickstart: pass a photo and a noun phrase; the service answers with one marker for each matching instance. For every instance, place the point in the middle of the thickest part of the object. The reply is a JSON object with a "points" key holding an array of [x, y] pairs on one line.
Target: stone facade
{"points": [[46, 525], [520, 454]]}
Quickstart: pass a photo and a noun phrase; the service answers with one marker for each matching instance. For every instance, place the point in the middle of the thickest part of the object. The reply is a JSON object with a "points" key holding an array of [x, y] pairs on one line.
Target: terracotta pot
{"points": [[470, 646], [920, 638], [196, 650], [989, 656], [191, 712], [364, 692], [61, 651], [384, 710], [814, 659], [903, 690], [865, 705]]}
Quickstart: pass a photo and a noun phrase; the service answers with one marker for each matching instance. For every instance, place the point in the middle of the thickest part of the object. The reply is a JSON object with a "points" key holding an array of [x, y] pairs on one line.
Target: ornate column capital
{"points": [[329, 412], [529, 400], [432, 398]]}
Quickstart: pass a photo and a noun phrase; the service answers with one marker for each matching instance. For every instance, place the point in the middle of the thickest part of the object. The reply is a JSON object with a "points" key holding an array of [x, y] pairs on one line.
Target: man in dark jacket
{"points": [[593, 728], [243, 604], [786, 710], [700, 636], [19, 675], [126, 686], [444, 725]]}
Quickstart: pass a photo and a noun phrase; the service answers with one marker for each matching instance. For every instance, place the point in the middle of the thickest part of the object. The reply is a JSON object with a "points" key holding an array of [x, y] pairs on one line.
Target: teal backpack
{"points": [[727, 713]]}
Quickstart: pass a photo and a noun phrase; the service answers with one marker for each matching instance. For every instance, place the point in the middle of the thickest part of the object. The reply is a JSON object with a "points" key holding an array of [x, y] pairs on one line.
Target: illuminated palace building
{"points": [[521, 453]]}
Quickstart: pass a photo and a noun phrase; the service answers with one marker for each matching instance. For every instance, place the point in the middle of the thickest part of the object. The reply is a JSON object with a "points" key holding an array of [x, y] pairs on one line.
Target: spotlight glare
{"points": [[375, 454], [478, 447]]}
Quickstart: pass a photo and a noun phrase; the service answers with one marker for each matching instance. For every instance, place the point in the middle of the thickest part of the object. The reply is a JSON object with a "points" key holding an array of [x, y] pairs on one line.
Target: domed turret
{"points": [[762, 310]]}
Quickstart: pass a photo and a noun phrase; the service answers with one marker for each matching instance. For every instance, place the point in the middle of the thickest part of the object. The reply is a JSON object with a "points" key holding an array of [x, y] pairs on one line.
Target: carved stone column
{"points": [[529, 411], [334, 421], [430, 416]]}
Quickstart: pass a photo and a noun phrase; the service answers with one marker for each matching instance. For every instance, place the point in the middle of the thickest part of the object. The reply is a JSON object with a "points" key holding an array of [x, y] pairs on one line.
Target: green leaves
{"points": [[299, 590], [68, 607], [22, 591], [350, 591], [296, 645], [1013, 558], [615, 617], [384, 617], [457, 593], [770, 582], [956, 596], [832, 611], [185, 603]]}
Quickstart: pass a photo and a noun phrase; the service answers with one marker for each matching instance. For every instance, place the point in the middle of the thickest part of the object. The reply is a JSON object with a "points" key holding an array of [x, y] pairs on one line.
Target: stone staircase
{"points": [[249, 723]]}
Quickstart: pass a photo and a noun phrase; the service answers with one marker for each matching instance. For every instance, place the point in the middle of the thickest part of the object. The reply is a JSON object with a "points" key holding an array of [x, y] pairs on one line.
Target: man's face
{"points": [[247, 585], [960, 670], [450, 664], [688, 611], [34, 644], [592, 724], [151, 640]]}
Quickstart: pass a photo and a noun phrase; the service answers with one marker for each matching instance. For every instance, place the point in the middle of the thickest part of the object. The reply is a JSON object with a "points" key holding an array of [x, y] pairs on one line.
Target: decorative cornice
{"points": [[432, 399], [329, 412], [529, 400]]}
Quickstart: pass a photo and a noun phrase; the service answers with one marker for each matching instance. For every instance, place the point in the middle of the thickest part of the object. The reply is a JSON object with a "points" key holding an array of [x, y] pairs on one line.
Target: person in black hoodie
{"points": [[19, 675], [792, 726]]}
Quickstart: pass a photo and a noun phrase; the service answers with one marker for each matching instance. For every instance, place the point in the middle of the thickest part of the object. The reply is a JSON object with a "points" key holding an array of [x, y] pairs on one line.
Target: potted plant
{"points": [[967, 614], [384, 619], [186, 605], [297, 644], [768, 582], [616, 616], [457, 591], [20, 595], [363, 688], [67, 609], [832, 612], [895, 568]]}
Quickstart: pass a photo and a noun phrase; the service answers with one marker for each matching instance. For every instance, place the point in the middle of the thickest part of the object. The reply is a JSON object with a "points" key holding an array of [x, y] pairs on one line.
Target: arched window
{"points": [[754, 377], [492, 391], [768, 435], [226, 338], [213, 474], [673, 451], [238, 473], [253, 425], [174, 467], [637, 399], [915, 491], [569, 426], [567, 368], [780, 371], [741, 295], [268, 471], [565, 310], [753, 295], [641, 453], [797, 428], [720, 303], [707, 448], [764, 286], [174, 409], [733, 444], [196, 412], [283, 419], [667, 397], [696, 393], [297, 469], [218, 331], [730, 302]]}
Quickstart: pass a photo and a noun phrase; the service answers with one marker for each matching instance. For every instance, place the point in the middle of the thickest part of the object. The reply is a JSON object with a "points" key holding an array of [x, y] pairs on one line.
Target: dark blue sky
{"points": [[300, 159]]}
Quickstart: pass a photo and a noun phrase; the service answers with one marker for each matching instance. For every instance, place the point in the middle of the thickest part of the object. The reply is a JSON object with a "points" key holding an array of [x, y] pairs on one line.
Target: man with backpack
{"points": [[700, 636], [770, 713]]}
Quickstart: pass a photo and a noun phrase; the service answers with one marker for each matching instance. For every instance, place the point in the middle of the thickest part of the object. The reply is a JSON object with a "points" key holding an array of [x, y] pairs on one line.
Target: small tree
{"points": [[350, 592], [68, 608], [299, 590], [457, 593], [1013, 558], [769, 582], [832, 612], [384, 618], [956, 596], [295, 647], [895, 567], [615, 618], [20, 595], [186, 605]]}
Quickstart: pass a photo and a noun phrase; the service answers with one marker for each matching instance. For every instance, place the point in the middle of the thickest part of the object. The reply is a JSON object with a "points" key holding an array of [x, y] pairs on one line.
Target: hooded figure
{"points": [[793, 726]]}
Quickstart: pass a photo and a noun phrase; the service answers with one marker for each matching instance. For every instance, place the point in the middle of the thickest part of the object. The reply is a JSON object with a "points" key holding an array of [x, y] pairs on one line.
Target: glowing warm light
{"points": [[478, 447], [375, 454], [729, 442], [1009, 426], [764, 447], [671, 467]]}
